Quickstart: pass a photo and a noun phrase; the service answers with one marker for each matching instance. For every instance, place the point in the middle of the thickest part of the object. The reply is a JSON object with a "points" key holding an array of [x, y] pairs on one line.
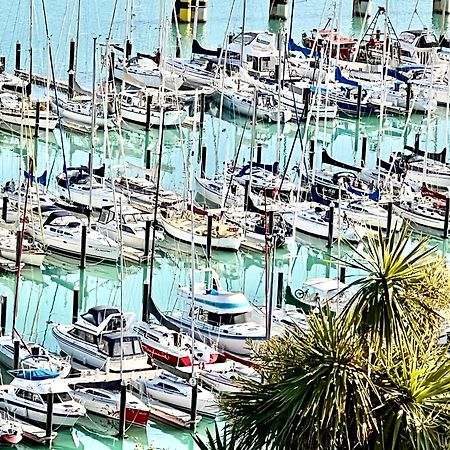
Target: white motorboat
{"points": [[105, 402], [133, 108], [74, 185], [294, 99], [314, 219], [362, 211], [61, 231], [223, 318], [370, 214], [79, 110], [194, 73], [27, 396], [132, 224], [32, 356], [176, 392], [172, 347], [178, 224], [14, 111], [96, 340]]}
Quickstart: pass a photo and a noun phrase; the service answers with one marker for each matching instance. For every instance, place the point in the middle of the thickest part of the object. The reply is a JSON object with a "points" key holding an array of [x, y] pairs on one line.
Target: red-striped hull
{"points": [[13, 438], [137, 417], [172, 359]]}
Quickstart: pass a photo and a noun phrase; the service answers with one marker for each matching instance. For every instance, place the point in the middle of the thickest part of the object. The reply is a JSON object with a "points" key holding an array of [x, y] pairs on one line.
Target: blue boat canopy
{"points": [[34, 374]]}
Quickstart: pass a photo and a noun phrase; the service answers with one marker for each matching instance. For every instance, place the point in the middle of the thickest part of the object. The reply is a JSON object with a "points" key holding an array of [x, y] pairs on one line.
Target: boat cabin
{"points": [[130, 215], [105, 317], [260, 53], [418, 46]]}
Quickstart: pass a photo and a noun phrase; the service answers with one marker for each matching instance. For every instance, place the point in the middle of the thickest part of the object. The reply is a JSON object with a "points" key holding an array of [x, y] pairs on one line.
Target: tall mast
{"points": [[93, 123], [30, 74], [243, 30], [77, 38]]}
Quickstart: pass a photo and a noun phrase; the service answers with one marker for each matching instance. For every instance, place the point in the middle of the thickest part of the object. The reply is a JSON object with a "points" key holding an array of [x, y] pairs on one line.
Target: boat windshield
{"points": [[216, 319], [60, 397], [131, 346]]}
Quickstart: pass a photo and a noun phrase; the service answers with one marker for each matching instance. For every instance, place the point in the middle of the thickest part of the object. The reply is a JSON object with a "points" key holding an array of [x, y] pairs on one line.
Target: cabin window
{"points": [[29, 396], [59, 397], [103, 216], [167, 388], [129, 348]]}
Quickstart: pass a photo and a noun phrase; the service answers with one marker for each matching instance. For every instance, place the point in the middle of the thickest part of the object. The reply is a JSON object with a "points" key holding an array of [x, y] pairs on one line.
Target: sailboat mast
{"points": [[30, 73], [243, 31], [93, 123], [77, 38]]}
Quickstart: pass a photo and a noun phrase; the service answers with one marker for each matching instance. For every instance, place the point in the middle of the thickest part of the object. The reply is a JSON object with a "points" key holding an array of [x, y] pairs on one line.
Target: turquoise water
{"points": [[46, 295]]}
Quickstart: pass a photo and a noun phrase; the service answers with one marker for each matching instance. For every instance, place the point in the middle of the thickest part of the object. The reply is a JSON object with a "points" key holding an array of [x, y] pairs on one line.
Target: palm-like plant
{"points": [[221, 441], [415, 387], [380, 306], [323, 398], [369, 378]]}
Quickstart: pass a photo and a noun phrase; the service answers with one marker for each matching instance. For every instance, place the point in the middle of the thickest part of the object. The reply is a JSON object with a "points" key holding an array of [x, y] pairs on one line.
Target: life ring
{"points": [[271, 74], [299, 293]]}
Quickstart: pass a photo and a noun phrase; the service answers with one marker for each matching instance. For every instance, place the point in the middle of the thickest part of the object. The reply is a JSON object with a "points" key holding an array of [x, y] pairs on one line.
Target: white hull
{"points": [[138, 115], [223, 243], [244, 106], [308, 222], [53, 363], [148, 78], [100, 197], [89, 355], [71, 245], [28, 121], [206, 189], [424, 220]]}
